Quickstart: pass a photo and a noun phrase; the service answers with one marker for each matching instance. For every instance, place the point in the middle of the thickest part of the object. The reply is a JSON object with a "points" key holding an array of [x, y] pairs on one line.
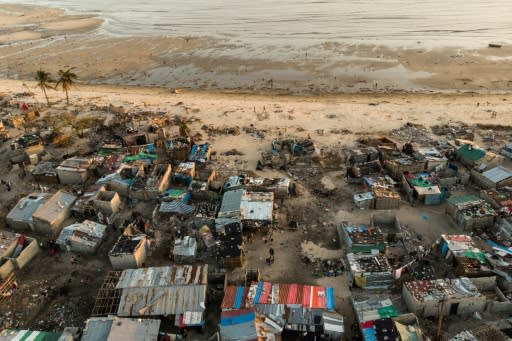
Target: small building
{"points": [[468, 260], [178, 148], [16, 250], [379, 319], [369, 271], [229, 246], [176, 291], [422, 187], [494, 178], [48, 218], [435, 160], [149, 184], [128, 252], [121, 179], [475, 157], [20, 217], [231, 203], [500, 200], [200, 153], [73, 171], [107, 202], [83, 208], [135, 138], [365, 200], [115, 328], [443, 296], [185, 170], [46, 173], [256, 209], [184, 250], [399, 166], [361, 238], [84, 237], [471, 212]]}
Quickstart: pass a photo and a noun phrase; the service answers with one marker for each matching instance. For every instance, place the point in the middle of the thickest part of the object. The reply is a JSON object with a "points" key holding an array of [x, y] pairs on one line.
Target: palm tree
{"points": [[44, 79], [66, 81]]}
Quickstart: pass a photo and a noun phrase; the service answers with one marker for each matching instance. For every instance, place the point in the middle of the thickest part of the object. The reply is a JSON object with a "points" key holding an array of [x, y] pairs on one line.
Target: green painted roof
{"points": [[459, 199], [473, 154], [26, 335]]}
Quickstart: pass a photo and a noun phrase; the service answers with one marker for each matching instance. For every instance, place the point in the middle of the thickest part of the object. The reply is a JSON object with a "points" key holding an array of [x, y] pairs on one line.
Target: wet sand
{"points": [[49, 39]]}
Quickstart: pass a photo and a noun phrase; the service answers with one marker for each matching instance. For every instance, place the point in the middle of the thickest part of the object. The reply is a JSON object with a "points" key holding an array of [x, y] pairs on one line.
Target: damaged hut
{"points": [[471, 212], [128, 252], [149, 184], [84, 237], [74, 171], [369, 271], [16, 250], [184, 250], [494, 178], [443, 296]]}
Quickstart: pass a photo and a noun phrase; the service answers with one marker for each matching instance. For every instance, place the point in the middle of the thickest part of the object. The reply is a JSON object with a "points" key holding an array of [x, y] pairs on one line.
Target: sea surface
{"points": [[455, 23]]}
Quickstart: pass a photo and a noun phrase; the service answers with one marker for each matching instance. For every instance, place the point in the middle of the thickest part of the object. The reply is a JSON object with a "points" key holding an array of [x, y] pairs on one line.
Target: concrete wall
{"points": [[108, 202], [19, 225], [467, 305], [71, 177], [129, 260], [120, 187], [29, 252], [481, 180], [54, 227], [6, 269]]}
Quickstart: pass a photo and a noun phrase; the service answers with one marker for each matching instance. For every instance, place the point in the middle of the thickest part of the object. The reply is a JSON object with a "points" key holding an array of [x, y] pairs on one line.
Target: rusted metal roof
{"points": [[163, 276], [162, 301], [168, 290]]}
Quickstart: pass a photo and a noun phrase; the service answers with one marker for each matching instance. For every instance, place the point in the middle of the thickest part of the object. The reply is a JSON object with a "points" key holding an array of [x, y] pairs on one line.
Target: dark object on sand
{"points": [[497, 46]]}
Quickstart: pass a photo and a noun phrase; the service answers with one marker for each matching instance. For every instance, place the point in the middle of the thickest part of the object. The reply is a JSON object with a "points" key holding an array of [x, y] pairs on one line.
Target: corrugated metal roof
{"points": [[498, 174], [27, 206], [231, 202], [87, 232], [158, 301], [134, 330], [51, 209], [177, 207], [163, 276], [185, 247], [257, 206], [97, 329], [238, 325]]}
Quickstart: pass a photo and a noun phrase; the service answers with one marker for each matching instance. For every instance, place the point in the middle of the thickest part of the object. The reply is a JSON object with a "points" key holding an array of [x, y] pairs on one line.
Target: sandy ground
{"points": [[23, 23], [45, 38]]}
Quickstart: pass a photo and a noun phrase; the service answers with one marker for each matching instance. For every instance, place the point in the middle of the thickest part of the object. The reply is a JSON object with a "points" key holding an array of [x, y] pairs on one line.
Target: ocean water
{"points": [[463, 23]]}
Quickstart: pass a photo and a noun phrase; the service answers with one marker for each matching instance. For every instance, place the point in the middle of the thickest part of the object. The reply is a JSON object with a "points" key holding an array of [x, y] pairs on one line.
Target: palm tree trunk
{"points": [[67, 97], [45, 95]]}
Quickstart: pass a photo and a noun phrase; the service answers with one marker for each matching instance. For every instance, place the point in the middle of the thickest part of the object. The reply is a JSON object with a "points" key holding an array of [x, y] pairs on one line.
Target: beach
{"points": [[36, 37], [333, 120]]}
